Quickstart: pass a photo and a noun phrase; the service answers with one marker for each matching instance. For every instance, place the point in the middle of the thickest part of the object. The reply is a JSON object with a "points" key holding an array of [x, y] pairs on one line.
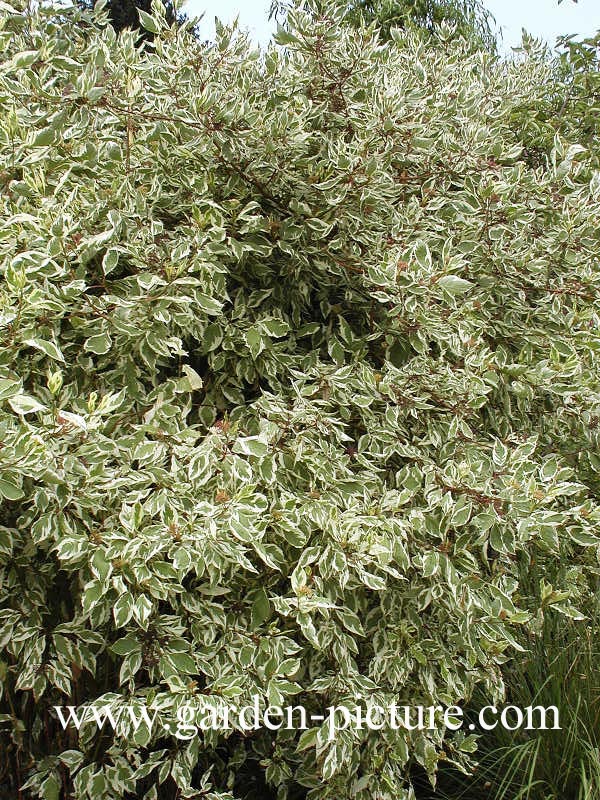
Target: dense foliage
{"points": [[469, 18], [299, 372]]}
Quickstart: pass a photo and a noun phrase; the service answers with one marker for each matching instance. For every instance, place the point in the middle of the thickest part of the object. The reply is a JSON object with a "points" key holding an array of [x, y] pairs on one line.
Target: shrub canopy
{"points": [[299, 372]]}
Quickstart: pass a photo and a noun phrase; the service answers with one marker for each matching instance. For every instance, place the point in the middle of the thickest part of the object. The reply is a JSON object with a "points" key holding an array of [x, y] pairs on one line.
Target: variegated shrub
{"points": [[299, 374]]}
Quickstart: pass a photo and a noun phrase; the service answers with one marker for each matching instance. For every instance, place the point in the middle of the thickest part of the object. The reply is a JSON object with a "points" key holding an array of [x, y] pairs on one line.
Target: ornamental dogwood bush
{"points": [[299, 375]]}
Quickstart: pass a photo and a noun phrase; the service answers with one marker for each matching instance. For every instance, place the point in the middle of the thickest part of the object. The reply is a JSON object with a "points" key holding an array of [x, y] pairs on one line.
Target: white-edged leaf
{"points": [[454, 285], [49, 348], [194, 379], [24, 404], [99, 344]]}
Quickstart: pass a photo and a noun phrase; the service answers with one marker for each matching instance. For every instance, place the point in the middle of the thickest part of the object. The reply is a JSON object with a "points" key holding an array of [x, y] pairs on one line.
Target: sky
{"points": [[545, 19]]}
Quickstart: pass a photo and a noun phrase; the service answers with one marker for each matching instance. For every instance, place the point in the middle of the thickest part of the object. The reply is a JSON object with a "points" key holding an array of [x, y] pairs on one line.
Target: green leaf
{"points": [[23, 59], [123, 610], [251, 446], [209, 304], [255, 342], [10, 490], [283, 37], [99, 344], [584, 538], [9, 388], [71, 758], [50, 788], [431, 564], [44, 138], [148, 22], [454, 285], [24, 404], [212, 338], [274, 327], [125, 646], [183, 663], [110, 260], [194, 379], [261, 608], [460, 514], [142, 609]]}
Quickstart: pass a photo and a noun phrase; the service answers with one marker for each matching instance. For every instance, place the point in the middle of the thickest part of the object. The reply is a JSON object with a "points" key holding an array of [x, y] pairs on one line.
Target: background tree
{"points": [[125, 14], [471, 18]]}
